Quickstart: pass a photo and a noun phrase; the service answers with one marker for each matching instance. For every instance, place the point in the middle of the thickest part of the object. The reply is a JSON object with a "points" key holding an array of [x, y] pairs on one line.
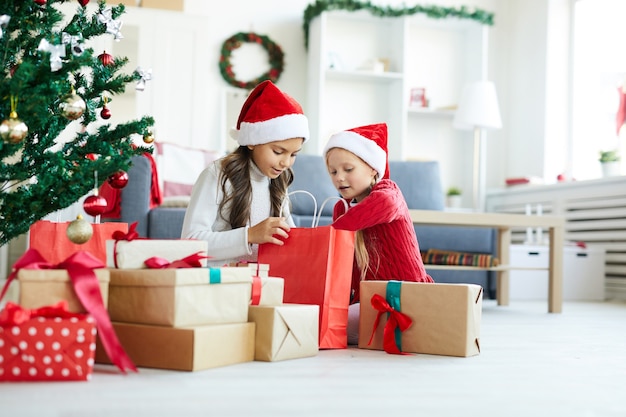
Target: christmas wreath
{"points": [[274, 52]]}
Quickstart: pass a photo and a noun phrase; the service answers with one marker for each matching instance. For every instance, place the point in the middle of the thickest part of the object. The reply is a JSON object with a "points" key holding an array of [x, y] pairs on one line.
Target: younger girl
{"points": [[236, 202], [386, 246]]}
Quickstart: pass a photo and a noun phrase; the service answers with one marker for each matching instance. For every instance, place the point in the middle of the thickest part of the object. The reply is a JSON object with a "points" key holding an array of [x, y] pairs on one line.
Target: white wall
{"points": [[517, 64]]}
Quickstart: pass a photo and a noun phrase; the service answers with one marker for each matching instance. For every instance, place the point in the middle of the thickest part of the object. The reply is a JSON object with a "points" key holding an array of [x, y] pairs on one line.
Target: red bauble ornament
{"points": [[105, 113], [83, 2], [40, 2], [92, 156], [106, 59], [118, 180], [94, 205]]}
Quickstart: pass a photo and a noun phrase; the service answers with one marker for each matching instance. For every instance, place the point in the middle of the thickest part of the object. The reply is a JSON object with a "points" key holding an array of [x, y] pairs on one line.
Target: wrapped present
{"points": [[267, 291], [41, 287], [432, 318], [41, 283], [128, 251], [288, 331], [185, 348], [84, 292], [260, 270], [46, 344], [180, 297]]}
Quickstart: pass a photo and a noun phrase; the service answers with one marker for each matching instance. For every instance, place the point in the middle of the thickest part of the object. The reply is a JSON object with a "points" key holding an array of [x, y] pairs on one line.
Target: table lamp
{"points": [[478, 110]]}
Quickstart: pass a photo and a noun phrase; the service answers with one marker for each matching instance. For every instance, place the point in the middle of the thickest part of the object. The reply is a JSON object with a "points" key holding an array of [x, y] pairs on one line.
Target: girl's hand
{"points": [[268, 229]]}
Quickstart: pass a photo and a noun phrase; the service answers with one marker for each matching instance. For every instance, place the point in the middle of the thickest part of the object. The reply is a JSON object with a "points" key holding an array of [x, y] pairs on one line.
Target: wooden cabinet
{"points": [[362, 69]]}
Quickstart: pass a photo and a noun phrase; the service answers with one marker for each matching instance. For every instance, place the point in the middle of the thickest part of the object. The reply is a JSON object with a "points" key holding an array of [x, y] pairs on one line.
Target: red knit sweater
{"points": [[388, 231]]}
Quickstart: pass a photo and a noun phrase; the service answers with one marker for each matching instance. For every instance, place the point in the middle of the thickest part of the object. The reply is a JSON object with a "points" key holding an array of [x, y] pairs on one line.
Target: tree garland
{"points": [[435, 12], [275, 53]]}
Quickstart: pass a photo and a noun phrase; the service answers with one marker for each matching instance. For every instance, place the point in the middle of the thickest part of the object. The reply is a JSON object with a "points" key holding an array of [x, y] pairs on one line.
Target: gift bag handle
{"points": [[316, 214], [282, 206], [316, 219]]}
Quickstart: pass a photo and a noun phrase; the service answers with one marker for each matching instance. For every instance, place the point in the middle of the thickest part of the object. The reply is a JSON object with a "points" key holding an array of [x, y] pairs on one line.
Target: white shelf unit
{"points": [[440, 55]]}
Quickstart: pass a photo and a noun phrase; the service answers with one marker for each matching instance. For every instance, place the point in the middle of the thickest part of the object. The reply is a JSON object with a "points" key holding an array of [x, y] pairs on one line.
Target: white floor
{"points": [[532, 363]]}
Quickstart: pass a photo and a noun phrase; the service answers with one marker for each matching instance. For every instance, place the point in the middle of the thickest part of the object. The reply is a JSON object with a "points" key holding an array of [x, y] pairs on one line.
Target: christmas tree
{"points": [[53, 82]]}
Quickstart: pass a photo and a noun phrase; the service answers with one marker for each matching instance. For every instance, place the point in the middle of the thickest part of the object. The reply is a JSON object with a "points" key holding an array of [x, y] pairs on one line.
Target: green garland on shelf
{"points": [[435, 12], [275, 53]]}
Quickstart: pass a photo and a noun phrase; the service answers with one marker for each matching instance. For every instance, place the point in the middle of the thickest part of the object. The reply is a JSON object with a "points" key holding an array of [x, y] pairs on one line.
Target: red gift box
{"points": [[46, 344]]}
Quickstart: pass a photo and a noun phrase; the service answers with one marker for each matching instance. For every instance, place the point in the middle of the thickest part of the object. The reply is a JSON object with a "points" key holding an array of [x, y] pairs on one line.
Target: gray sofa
{"points": [[419, 181]]}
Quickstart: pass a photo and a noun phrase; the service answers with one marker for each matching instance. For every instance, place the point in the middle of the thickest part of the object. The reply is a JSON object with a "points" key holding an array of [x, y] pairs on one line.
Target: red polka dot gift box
{"points": [[46, 344]]}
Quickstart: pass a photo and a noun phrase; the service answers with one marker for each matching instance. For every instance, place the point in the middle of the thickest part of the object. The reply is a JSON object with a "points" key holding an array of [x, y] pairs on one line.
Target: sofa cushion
{"points": [[420, 183], [166, 223]]}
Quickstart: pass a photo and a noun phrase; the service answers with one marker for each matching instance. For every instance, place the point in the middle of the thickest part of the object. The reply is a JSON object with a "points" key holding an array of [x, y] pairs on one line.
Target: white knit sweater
{"points": [[202, 220]]}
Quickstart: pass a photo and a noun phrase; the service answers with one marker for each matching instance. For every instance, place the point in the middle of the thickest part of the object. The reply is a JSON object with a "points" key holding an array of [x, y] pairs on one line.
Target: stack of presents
{"points": [[156, 304]]}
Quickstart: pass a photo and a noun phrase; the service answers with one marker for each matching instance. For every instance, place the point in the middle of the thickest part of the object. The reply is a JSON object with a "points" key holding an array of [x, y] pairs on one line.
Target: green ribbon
{"points": [[393, 298], [215, 276]]}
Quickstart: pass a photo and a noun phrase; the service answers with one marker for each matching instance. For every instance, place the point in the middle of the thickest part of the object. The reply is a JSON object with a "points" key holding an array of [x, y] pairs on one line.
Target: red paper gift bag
{"points": [[51, 241], [316, 264]]}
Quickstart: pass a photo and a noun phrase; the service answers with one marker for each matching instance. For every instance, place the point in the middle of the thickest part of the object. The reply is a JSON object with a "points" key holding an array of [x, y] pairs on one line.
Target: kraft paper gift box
{"points": [[184, 348], [180, 297], [267, 291], [42, 287], [288, 331], [47, 344], [445, 317], [131, 254]]}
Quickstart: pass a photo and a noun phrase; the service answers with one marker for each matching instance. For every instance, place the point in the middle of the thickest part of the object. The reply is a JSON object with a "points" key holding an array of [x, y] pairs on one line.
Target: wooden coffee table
{"points": [[503, 223]]}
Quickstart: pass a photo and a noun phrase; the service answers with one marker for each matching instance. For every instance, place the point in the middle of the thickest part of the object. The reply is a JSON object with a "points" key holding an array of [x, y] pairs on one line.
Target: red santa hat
{"points": [[367, 142], [269, 115]]}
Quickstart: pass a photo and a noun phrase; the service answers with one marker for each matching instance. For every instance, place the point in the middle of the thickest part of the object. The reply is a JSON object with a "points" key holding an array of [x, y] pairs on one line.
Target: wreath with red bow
{"points": [[275, 53]]}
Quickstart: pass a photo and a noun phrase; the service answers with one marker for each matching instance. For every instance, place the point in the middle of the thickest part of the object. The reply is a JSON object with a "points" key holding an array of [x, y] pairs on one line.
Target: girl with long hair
{"points": [[236, 202]]}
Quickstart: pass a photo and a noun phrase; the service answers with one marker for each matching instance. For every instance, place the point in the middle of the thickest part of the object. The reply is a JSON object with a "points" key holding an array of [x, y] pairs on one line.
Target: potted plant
{"points": [[454, 195], [609, 161]]}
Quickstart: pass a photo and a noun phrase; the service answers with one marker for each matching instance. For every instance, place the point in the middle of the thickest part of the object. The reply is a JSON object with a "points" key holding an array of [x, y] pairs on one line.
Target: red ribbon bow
{"points": [[14, 314], [80, 266], [118, 235], [130, 235], [191, 261], [395, 320]]}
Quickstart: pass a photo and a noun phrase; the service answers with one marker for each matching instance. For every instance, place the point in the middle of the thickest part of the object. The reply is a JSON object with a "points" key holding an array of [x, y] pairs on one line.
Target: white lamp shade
{"points": [[478, 107]]}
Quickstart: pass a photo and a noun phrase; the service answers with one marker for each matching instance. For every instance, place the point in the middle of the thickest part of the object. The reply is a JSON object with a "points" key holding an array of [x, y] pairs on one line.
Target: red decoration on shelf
{"points": [[106, 59], [118, 179], [105, 113], [83, 2], [95, 205]]}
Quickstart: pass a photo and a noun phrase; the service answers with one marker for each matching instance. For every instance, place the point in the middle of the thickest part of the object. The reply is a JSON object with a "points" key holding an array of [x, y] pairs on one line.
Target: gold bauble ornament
{"points": [[148, 137], [72, 106], [79, 231], [13, 130]]}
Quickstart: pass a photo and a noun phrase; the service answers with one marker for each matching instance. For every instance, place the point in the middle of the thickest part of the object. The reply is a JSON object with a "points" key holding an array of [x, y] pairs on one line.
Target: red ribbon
{"points": [[130, 235], [256, 290], [396, 319], [14, 314], [118, 235], [80, 268], [191, 261]]}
